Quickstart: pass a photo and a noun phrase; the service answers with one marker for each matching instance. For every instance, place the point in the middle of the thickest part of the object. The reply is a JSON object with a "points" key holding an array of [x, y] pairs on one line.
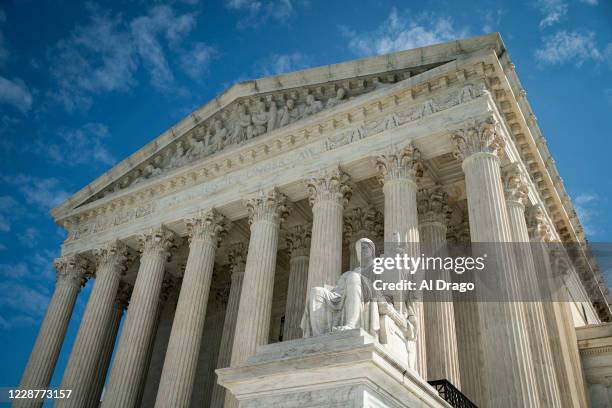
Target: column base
{"points": [[348, 369]]}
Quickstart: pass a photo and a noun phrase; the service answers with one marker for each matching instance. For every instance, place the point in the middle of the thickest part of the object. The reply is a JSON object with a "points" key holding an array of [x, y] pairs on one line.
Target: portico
{"points": [[224, 223]]}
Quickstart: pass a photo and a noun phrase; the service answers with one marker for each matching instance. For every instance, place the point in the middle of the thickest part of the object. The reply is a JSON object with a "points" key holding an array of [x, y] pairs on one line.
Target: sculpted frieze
{"points": [[369, 128], [242, 121]]}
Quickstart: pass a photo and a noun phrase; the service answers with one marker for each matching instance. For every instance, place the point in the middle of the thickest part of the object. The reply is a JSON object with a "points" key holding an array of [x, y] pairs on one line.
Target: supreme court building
{"points": [[205, 244]]}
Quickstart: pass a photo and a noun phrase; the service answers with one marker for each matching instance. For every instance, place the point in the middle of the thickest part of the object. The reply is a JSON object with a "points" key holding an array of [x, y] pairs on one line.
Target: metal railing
{"points": [[452, 395]]}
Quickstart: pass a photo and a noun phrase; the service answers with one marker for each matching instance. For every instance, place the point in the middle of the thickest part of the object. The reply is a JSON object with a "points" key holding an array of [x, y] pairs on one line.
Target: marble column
{"points": [[178, 374], [515, 186], [266, 211], [508, 362], [121, 303], [398, 170], [298, 241], [329, 192], [362, 223], [70, 277], [439, 311], [131, 360], [237, 257], [559, 322], [82, 366]]}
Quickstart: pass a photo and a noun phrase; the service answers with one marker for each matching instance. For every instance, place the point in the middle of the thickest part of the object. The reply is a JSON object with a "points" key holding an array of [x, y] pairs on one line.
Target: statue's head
{"points": [[366, 250]]}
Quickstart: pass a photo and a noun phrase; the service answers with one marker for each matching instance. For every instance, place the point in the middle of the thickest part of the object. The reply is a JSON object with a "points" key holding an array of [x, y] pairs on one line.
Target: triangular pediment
{"points": [[252, 109]]}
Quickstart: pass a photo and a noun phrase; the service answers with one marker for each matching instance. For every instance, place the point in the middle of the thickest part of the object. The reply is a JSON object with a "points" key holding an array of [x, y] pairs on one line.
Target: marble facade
{"points": [[207, 241]]}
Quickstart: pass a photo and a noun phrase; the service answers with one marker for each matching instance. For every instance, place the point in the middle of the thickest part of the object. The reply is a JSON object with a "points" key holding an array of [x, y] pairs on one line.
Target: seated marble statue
{"points": [[351, 304]]}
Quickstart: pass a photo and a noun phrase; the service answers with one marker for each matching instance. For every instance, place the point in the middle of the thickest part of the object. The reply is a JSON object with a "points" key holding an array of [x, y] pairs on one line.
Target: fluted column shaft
{"points": [[82, 366], [516, 194], [329, 193], [558, 318], [237, 260], [442, 354], [95, 392], [398, 172], [131, 360], [298, 241], [508, 363], [44, 355], [253, 322], [181, 360]]}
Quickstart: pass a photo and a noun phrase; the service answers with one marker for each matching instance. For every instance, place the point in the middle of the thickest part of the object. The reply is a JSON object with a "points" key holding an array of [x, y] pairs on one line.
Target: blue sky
{"points": [[85, 84]]}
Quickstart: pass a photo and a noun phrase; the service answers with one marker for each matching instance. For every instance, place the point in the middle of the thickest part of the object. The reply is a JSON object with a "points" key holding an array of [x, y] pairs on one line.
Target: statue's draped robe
{"points": [[351, 304]]}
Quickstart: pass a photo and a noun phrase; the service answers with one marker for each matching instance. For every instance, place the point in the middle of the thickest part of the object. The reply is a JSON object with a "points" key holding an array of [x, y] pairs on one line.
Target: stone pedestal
{"points": [[345, 369]]}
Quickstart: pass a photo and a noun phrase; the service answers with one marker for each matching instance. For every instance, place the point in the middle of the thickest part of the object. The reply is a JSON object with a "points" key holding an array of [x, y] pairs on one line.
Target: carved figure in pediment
{"points": [[217, 137], [260, 119], [336, 100], [312, 105], [242, 125], [288, 113], [196, 147], [272, 116], [179, 157]]}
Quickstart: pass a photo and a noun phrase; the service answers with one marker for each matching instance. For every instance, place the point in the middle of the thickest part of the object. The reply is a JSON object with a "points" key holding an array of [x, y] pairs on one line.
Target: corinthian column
{"points": [[298, 240], [180, 365], [515, 187], [39, 370], [131, 359], [237, 258], [398, 172], [559, 323], [83, 362], [508, 363], [442, 355], [266, 211], [329, 192], [121, 303]]}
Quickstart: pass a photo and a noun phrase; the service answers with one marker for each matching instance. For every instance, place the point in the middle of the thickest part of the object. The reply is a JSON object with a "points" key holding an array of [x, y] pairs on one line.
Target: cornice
{"points": [[420, 57]]}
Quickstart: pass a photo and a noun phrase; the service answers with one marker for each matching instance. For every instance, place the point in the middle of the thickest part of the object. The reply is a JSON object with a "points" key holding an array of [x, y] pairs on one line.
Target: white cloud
{"points": [[8, 208], [399, 32], [15, 93], [553, 11], [258, 12], [14, 271], [105, 54], [586, 206], [277, 64], [28, 237], [196, 62], [569, 46], [74, 147], [43, 193], [492, 20]]}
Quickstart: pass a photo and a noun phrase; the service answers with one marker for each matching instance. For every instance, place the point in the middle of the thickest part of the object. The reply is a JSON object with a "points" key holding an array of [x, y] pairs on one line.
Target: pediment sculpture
{"points": [[244, 120]]}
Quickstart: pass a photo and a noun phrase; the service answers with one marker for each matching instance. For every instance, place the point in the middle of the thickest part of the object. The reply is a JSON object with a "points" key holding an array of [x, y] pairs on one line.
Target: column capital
{"points": [[399, 164], [208, 225], [538, 226], [159, 239], [432, 206], [367, 219], [477, 136], [71, 269], [298, 240], [267, 206], [329, 185], [114, 255], [237, 258], [515, 184]]}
